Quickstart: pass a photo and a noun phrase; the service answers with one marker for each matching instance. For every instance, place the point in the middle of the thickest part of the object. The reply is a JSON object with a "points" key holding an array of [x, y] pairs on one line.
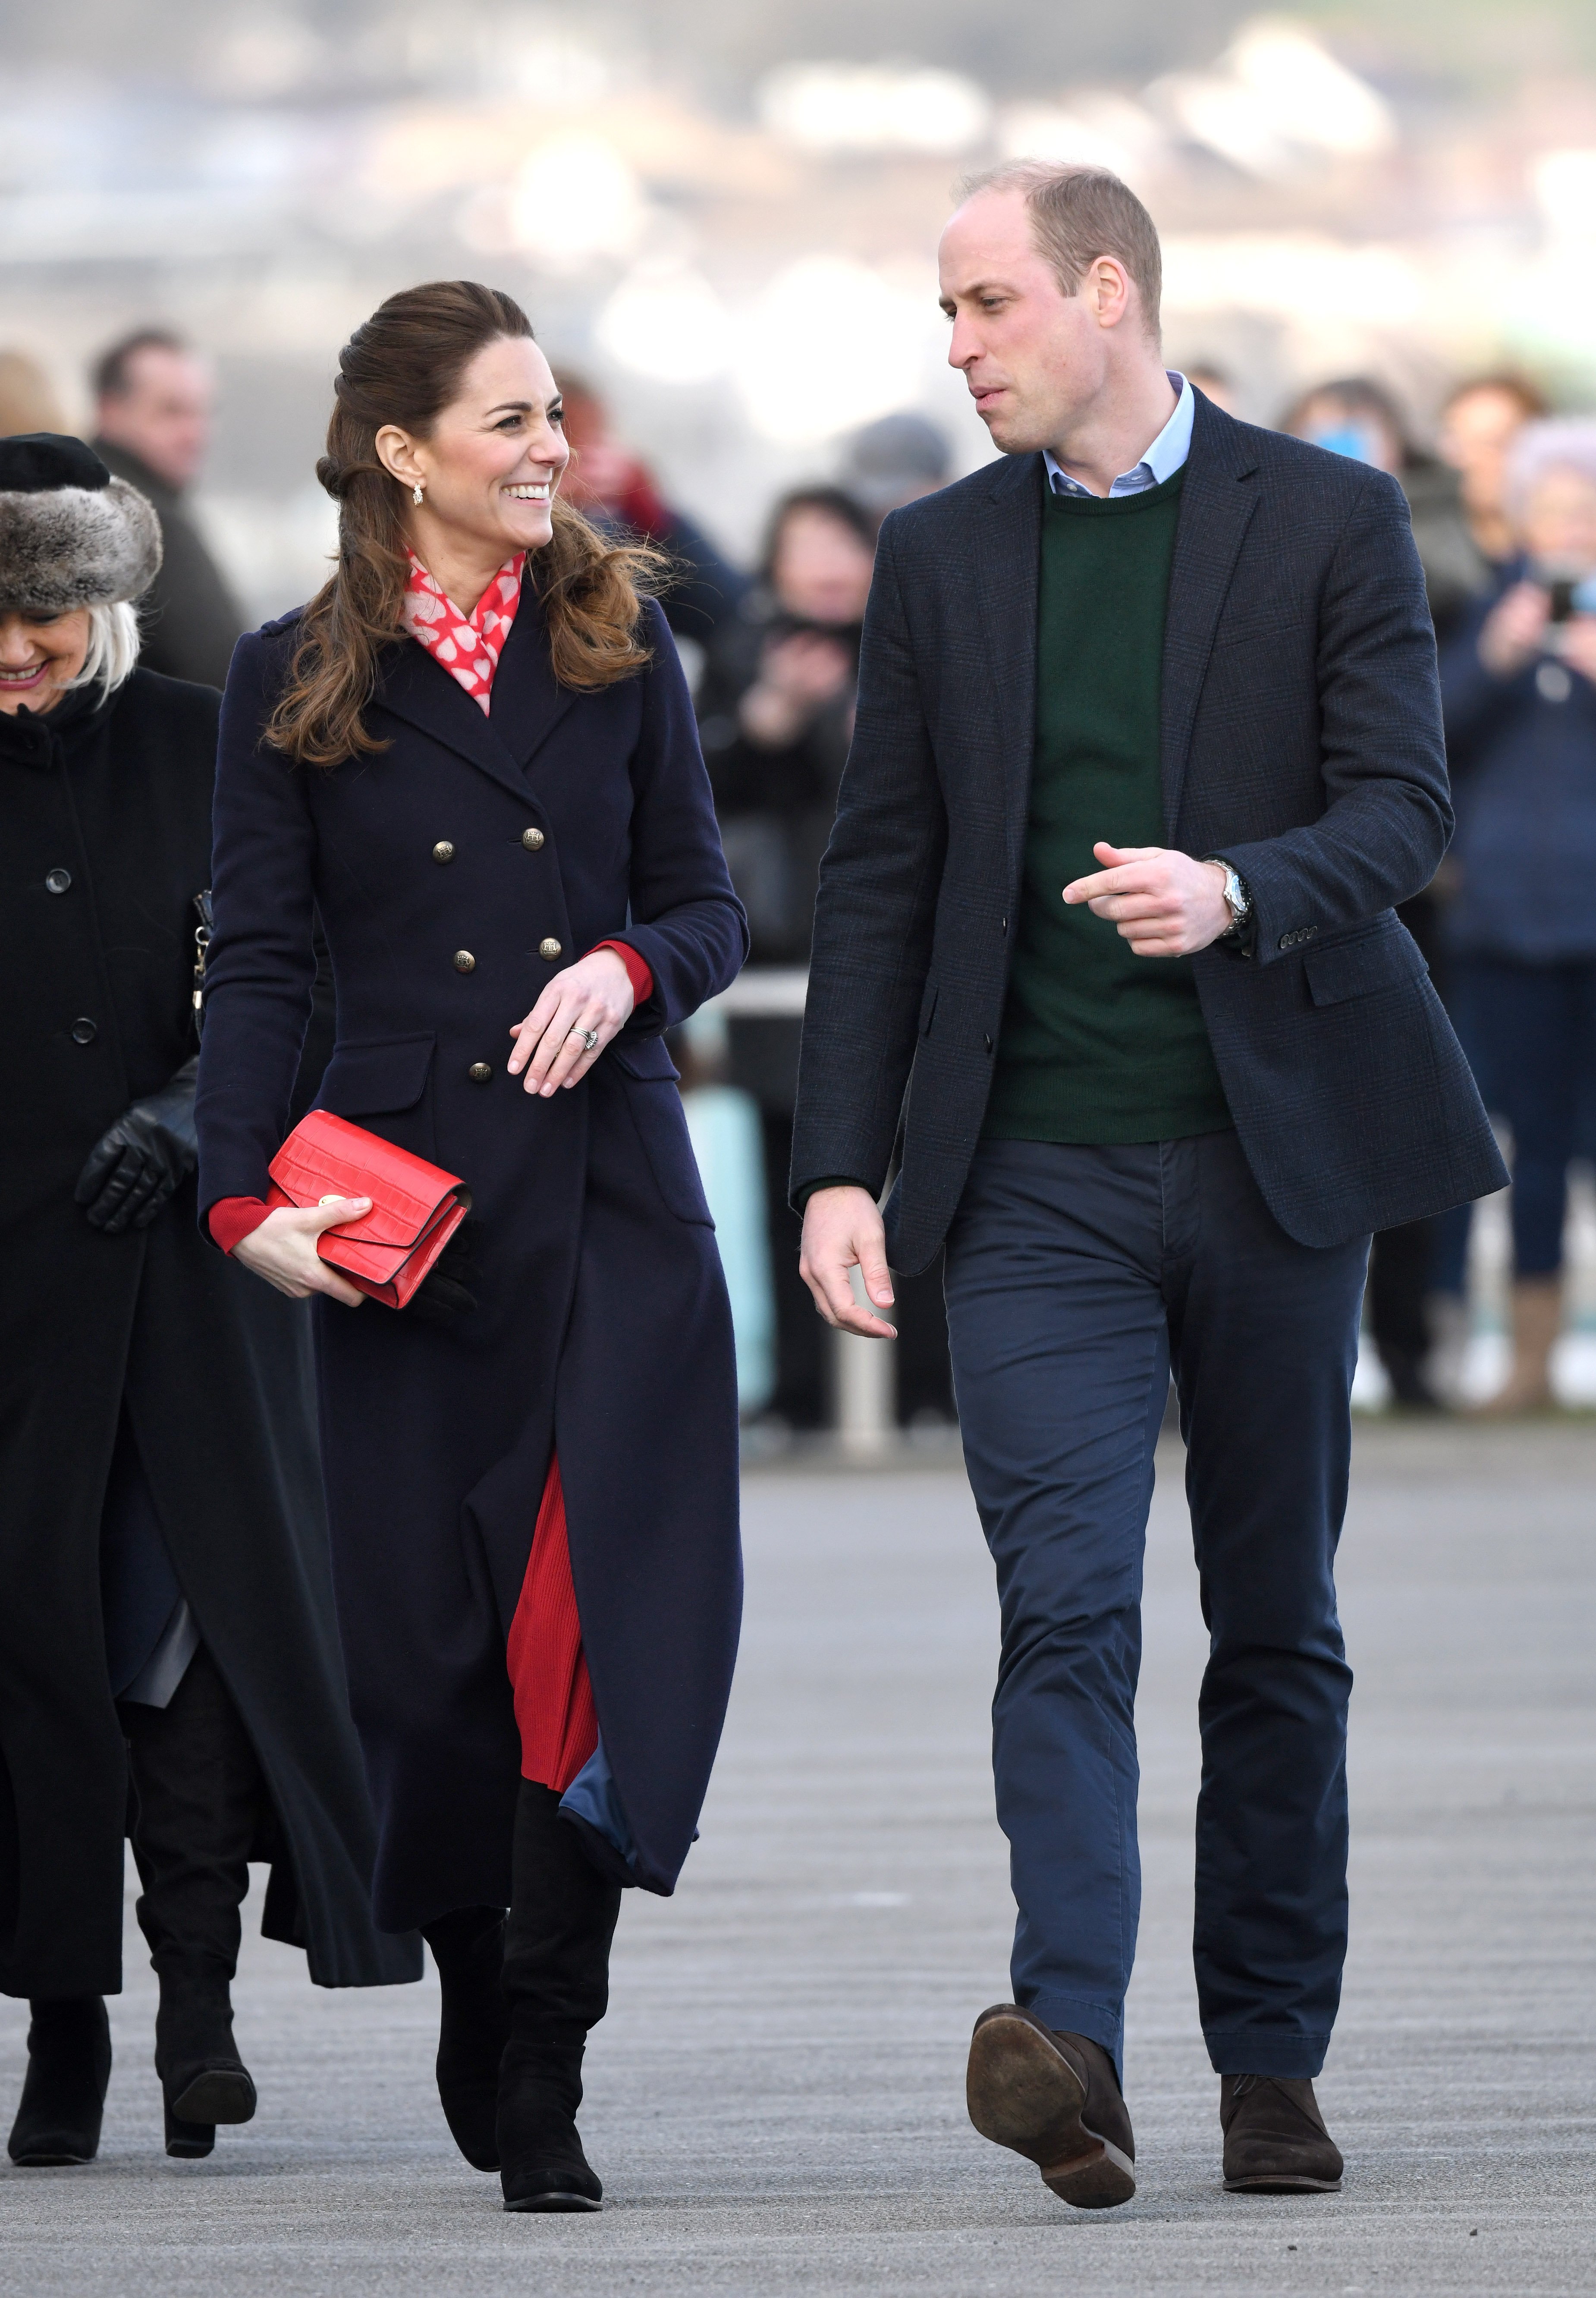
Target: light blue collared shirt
{"points": [[1161, 460]]}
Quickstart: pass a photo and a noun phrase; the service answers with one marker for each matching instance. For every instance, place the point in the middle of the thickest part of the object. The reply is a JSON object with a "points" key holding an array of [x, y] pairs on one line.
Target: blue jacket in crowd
{"points": [[1522, 752]]}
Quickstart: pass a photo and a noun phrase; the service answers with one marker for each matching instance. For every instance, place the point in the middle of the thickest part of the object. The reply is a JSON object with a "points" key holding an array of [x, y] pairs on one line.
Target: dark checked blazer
{"points": [[1301, 739]]}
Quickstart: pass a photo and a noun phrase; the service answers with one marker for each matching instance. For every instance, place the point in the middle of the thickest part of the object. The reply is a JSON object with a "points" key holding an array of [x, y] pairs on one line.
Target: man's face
{"points": [[1031, 355], [1476, 431], [164, 417]]}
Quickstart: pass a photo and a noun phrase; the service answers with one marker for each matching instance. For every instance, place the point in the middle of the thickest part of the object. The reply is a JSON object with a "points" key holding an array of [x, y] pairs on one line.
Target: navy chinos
{"points": [[1076, 1279]]}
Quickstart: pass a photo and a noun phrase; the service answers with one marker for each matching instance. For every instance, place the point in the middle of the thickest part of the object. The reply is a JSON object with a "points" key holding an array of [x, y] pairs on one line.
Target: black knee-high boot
{"points": [[198, 1794], [467, 1947], [557, 1940], [63, 2092]]}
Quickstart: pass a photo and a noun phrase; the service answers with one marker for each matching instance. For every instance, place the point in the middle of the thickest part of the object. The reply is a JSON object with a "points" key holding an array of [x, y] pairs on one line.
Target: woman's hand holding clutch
{"points": [[572, 1022], [283, 1250]]}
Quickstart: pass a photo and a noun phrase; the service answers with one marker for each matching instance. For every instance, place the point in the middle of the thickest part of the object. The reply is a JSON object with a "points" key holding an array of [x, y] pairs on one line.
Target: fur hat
{"points": [[71, 535]]}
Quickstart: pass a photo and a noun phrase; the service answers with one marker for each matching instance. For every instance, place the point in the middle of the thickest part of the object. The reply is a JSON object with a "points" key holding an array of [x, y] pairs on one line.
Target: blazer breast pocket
{"points": [[1263, 629]]}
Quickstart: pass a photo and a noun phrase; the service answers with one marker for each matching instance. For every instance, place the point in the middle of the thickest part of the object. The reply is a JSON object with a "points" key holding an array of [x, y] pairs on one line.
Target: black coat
{"points": [[602, 1321], [1301, 739], [213, 1368], [190, 619]]}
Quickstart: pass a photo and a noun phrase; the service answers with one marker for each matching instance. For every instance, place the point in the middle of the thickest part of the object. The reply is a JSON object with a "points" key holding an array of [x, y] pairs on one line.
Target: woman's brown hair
{"points": [[404, 366]]}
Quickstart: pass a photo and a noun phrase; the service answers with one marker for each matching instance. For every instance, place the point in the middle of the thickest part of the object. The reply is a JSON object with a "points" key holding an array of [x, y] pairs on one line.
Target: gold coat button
{"points": [[443, 851], [464, 963], [548, 949], [532, 839], [480, 1073]]}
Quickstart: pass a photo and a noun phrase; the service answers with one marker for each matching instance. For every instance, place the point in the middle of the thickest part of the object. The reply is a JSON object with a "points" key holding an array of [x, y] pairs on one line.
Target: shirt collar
{"points": [[1161, 460]]}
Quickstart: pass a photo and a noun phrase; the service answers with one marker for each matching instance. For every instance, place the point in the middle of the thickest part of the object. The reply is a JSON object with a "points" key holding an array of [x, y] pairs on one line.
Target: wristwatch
{"points": [[1237, 899]]}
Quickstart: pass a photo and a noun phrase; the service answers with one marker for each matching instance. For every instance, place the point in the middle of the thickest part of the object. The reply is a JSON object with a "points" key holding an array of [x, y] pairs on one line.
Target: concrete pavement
{"points": [[775, 2101]]}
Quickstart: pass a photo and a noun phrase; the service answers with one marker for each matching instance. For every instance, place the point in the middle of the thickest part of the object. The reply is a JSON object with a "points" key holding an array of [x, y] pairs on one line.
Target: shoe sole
{"points": [[218, 2095], [1282, 2184], [556, 2203], [40, 2159], [1024, 2095]]}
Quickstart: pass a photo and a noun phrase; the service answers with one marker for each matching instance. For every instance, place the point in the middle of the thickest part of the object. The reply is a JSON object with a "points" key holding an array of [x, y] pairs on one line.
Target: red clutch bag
{"points": [[416, 1207]]}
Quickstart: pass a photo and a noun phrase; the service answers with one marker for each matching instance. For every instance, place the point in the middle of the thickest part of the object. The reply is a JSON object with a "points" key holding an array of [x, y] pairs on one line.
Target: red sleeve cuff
{"points": [[638, 973], [233, 1219]]}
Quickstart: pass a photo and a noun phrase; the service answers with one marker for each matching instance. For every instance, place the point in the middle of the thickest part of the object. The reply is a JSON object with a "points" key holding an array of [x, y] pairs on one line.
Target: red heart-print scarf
{"points": [[466, 645]]}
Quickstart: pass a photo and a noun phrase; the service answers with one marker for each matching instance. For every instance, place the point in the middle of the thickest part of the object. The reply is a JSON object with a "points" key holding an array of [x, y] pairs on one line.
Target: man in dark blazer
{"points": [[1106, 961]]}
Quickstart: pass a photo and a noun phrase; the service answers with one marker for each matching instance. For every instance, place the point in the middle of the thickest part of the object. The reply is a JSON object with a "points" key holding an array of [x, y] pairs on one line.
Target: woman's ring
{"points": [[590, 1037]]}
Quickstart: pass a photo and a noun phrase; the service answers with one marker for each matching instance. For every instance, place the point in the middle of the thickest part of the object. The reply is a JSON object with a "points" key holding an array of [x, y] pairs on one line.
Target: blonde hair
{"points": [[113, 642], [1562, 442]]}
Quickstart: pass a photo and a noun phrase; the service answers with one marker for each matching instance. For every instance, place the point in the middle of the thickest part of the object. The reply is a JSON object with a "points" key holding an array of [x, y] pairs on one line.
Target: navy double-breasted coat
{"points": [[455, 872]]}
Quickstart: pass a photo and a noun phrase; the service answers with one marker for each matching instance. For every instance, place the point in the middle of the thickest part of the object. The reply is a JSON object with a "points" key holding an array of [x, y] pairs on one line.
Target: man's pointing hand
{"points": [[1165, 903]]}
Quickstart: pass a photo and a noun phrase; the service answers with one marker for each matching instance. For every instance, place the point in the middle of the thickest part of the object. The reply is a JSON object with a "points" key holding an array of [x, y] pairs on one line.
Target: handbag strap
{"points": [[201, 943]]}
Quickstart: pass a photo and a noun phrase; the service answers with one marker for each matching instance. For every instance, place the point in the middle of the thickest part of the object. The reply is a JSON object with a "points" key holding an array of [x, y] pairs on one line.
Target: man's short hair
{"points": [[1507, 382], [112, 377], [1078, 214]]}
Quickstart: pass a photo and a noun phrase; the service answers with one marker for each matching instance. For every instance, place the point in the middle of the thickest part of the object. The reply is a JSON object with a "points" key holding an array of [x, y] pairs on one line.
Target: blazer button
{"points": [[988, 1042], [443, 851], [83, 1031], [480, 1073], [56, 882], [548, 949], [532, 839], [464, 963]]}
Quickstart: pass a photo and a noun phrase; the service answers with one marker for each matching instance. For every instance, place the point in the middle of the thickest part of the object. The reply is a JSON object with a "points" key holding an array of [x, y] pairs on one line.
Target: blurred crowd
{"points": [[1502, 493]]}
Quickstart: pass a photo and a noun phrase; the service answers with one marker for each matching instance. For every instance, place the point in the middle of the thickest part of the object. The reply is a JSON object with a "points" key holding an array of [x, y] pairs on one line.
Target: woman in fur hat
{"points": [[168, 1620]]}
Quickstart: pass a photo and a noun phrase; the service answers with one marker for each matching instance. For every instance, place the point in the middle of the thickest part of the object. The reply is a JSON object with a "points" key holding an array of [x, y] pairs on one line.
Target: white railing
{"points": [[864, 1373], [764, 993]]}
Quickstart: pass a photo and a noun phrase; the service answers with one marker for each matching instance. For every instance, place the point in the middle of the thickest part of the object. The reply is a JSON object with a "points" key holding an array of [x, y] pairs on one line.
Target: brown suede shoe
{"points": [[1054, 2099], [1276, 2142]]}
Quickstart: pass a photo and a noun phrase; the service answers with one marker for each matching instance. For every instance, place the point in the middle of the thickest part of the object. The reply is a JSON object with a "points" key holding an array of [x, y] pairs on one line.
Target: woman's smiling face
{"points": [[493, 461], [39, 655]]}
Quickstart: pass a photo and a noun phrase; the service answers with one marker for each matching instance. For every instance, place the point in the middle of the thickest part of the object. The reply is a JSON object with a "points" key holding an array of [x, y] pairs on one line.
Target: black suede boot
{"points": [[561, 1921], [198, 1798], [203, 2079], [467, 1947], [63, 2092]]}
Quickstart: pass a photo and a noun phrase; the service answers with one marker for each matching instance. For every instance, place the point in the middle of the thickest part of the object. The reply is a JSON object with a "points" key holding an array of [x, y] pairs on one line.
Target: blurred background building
{"points": [[722, 215], [723, 212]]}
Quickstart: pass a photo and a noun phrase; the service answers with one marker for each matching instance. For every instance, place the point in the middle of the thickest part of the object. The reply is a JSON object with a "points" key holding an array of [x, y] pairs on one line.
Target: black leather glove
{"points": [[445, 1293], [133, 1170]]}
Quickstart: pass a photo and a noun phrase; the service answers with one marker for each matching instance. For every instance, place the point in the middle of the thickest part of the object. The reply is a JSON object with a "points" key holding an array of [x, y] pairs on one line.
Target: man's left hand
{"points": [[1165, 903]]}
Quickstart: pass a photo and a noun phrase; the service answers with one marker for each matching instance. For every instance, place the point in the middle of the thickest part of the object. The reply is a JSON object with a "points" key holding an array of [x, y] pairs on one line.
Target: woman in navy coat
{"points": [[512, 851]]}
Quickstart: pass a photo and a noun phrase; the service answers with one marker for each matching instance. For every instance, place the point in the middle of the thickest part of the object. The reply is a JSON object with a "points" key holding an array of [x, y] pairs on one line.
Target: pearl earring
{"points": [[416, 490]]}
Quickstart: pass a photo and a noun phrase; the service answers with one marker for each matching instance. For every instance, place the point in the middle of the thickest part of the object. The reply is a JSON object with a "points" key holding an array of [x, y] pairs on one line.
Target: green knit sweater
{"points": [[1098, 1045]]}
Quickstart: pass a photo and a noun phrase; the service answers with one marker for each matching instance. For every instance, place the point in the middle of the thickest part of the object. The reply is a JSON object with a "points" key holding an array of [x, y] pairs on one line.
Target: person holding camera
{"points": [[1519, 685]]}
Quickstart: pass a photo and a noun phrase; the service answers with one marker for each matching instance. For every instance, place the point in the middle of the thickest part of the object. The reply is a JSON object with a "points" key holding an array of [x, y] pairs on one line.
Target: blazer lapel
{"points": [[1007, 539], [1218, 498], [420, 691], [528, 700]]}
